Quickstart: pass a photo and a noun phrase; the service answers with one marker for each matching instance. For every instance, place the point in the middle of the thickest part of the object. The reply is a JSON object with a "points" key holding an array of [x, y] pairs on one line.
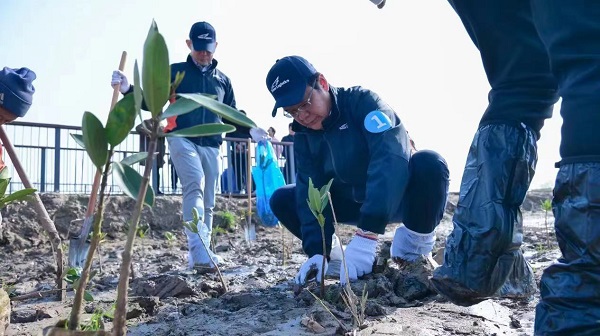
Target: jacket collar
{"points": [[211, 67]]}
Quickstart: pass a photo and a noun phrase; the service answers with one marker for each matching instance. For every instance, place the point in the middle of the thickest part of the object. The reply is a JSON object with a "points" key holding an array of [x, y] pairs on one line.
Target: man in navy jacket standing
{"points": [[197, 159]]}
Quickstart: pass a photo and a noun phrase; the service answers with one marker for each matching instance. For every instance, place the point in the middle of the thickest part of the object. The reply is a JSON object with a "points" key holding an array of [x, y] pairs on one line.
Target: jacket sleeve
{"points": [[307, 167], [387, 174]]}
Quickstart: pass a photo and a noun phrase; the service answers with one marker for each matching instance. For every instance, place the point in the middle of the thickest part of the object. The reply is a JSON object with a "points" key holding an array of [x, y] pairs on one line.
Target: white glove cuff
{"points": [[409, 245]]}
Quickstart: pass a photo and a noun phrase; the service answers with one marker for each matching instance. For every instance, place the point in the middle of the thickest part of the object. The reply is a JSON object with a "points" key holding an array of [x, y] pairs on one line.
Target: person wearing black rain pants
{"points": [[532, 52]]}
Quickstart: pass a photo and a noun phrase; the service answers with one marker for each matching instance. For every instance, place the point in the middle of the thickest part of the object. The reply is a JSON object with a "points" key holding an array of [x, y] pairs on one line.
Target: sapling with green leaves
{"points": [[155, 90], [547, 207], [20, 195], [170, 237], [193, 227], [317, 201], [355, 305]]}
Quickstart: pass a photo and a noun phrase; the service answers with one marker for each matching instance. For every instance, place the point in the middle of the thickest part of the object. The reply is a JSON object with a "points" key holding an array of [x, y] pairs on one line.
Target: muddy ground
{"points": [[167, 299]]}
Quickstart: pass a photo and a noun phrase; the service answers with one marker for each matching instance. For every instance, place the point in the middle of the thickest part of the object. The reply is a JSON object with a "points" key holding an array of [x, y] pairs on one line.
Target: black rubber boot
{"points": [[482, 257], [570, 288]]}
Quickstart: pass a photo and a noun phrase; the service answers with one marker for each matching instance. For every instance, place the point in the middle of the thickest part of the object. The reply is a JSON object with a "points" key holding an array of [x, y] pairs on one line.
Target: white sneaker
{"points": [[197, 256]]}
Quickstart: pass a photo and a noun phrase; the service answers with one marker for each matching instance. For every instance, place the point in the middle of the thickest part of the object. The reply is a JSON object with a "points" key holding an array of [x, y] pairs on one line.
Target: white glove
{"points": [[360, 256], [311, 268], [118, 77], [258, 134], [409, 245]]}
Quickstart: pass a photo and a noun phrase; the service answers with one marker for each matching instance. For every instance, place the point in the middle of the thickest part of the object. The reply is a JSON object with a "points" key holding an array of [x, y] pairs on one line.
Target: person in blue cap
{"points": [[196, 159], [16, 96], [352, 136]]}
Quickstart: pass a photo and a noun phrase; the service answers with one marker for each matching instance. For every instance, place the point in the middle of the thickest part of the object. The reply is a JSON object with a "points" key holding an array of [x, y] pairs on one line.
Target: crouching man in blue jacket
{"points": [[352, 136]]}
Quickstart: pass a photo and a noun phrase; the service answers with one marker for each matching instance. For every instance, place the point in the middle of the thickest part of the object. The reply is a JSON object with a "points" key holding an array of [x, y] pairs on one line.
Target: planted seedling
{"points": [[170, 237], [317, 201], [193, 227], [153, 90], [547, 207]]}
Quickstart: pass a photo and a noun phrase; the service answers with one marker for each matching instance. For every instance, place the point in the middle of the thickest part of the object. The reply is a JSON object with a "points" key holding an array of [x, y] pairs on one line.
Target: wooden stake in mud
{"points": [[43, 216]]}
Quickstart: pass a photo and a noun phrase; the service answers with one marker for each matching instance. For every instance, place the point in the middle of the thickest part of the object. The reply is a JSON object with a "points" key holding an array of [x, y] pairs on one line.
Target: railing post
{"points": [[43, 171], [57, 159]]}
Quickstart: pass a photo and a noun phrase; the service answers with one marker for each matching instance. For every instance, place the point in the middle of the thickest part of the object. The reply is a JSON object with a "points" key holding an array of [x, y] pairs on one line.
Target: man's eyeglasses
{"points": [[303, 107]]}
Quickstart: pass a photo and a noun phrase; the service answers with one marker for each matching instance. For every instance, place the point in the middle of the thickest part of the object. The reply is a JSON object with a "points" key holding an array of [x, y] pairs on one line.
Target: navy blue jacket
{"points": [[212, 82], [368, 168]]}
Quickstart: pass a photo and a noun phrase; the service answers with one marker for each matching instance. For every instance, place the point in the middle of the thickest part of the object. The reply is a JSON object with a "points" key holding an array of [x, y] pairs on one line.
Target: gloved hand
{"points": [[118, 77], [360, 256], [258, 134], [312, 268], [409, 245]]}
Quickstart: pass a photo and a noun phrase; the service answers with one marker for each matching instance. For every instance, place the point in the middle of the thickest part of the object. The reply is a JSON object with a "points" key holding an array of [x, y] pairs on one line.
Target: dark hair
{"points": [[290, 124], [271, 128]]}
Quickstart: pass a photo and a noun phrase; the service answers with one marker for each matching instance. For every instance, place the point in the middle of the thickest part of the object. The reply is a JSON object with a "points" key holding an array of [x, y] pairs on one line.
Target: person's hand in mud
{"points": [[360, 256], [311, 269]]}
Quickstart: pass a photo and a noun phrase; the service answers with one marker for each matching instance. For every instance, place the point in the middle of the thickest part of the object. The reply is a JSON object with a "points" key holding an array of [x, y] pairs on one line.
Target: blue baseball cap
{"points": [[16, 90], [287, 80], [203, 37]]}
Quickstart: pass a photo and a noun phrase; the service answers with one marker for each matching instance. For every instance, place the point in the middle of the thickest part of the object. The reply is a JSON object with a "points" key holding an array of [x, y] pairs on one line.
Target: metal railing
{"points": [[54, 162]]}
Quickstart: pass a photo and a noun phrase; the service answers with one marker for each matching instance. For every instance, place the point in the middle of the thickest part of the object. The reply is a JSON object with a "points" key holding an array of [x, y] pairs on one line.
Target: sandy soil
{"points": [[167, 299]]}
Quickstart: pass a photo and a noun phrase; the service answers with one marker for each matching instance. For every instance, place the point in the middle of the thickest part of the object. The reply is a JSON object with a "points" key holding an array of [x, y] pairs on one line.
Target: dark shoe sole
{"points": [[456, 293]]}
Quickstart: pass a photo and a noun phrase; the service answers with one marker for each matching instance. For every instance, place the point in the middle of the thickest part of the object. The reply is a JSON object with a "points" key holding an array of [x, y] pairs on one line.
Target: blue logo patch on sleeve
{"points": [[377, 122]]}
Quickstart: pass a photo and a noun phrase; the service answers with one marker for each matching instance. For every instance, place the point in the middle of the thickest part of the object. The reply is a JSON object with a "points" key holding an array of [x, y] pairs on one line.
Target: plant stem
{"points": [[214, 264], [119, 323], [328, 310], [77, 301], [323, 264]]}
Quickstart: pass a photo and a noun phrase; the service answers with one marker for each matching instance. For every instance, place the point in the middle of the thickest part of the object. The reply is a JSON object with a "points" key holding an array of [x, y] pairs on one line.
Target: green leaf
{"points": [[78, 139], [130, 182], [325, 195], [179, 107], [18, 195], [87, 296], [3, 186], [138, 96], [314, 212], [94, 138], [313, 196], [225, 111], [134, 158], [195, 215], [121, 120], [156, 72], [189, 226], [202, 130], [178, 78]]}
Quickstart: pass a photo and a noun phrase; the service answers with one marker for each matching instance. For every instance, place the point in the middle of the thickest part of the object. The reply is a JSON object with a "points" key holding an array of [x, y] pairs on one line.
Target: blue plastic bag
{"points": [[268, 178]]}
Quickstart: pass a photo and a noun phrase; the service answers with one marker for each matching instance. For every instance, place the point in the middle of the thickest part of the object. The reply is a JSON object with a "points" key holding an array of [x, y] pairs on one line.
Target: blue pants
{"points": [[423, 202]]}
